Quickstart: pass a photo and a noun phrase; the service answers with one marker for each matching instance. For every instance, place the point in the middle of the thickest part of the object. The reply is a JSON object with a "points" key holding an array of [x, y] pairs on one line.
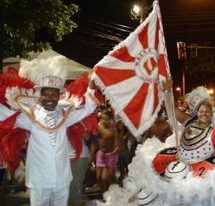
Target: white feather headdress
{"points": [[49, 69], [196, 97]]}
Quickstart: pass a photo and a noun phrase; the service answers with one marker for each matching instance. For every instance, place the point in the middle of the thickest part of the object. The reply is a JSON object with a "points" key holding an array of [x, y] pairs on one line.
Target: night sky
{"points": [[102, 24]]}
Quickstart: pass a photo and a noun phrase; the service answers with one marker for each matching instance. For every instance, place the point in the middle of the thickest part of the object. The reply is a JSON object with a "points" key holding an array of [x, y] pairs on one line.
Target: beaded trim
{"points": [[31, 115]]}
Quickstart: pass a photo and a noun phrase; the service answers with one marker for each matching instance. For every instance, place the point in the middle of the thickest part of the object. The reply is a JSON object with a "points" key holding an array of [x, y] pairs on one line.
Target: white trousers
{"points": [[49, 197]]}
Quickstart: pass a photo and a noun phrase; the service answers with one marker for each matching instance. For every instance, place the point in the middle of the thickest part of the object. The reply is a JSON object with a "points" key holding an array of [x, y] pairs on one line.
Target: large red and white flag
{"points": [[130, 75]]}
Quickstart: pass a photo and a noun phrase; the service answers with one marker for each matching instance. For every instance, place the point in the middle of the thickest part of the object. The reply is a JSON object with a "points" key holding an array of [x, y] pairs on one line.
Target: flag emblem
{"points": [[130, 74]]}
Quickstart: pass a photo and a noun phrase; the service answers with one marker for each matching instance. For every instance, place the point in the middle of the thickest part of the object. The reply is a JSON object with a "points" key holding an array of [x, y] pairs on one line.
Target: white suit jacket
{"points": [[48, 166]]}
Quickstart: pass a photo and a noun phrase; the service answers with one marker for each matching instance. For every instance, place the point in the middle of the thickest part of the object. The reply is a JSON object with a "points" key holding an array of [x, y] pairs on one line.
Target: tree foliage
{"points": [[25, 19]]}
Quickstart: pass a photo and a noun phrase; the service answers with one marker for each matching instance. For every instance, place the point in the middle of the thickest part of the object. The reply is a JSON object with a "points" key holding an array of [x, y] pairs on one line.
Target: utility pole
{"points": [[193, 50], [182, 55]]}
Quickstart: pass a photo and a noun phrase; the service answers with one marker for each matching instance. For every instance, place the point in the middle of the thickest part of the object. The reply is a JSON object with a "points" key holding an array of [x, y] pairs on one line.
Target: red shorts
{"points": [[104, 159]]}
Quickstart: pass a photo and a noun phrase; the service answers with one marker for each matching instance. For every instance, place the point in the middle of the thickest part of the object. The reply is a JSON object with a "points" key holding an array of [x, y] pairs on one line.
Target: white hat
{"points": [[197, 97], [176, 170], [51, 82], [45, 71], [145, 197]]}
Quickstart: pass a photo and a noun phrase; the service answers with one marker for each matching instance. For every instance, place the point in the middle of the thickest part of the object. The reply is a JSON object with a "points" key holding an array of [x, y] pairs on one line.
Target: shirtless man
{"points": [[108, 147]]}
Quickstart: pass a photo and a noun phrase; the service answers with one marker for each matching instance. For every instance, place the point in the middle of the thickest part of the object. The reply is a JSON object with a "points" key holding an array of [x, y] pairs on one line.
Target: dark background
{"points": [[102, 24]]}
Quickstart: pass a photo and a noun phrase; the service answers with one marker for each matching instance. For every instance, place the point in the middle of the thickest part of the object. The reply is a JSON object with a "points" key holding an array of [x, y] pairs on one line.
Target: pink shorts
{"points": [[106, 159]]}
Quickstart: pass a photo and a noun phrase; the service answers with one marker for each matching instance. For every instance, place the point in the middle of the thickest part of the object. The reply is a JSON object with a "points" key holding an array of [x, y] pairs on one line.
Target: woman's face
{"points": [[205, 113]]}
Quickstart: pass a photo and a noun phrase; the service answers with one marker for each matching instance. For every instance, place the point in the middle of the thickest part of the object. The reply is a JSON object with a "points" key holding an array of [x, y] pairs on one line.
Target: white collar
{"points": [[43, 112]]}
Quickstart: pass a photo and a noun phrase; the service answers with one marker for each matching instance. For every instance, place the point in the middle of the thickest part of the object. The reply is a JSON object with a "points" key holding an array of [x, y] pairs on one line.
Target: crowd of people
{"points": [[55, 176], [168, 173], [109, 151], [106, 153]]}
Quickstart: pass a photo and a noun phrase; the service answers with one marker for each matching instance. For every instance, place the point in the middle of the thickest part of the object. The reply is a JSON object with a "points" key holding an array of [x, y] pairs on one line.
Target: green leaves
{"points": [[26, 20]]}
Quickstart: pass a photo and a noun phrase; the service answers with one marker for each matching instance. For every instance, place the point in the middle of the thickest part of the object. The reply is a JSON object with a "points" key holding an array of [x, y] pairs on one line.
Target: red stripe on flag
{"points": [[123, 55], [157, 34], [213, 138], [155, 98], [143, 37], [134, 109], [153, 62], [113, 76], [162, 65]]}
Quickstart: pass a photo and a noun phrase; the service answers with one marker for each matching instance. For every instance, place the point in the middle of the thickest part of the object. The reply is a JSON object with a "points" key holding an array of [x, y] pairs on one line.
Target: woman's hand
{"points": [[167, 84], [91, 83]]}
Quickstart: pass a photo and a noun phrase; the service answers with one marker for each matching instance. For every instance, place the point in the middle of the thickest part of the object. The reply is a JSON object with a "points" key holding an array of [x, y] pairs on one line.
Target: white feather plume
{"points": [[68, 100], [44, 65], [13, 92], [196, 97]]}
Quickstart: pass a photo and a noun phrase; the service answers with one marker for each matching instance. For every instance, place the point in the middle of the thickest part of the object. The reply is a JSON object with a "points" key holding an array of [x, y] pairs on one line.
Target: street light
{"points": [[140, 11], [178, 89], [136, 12], [136, 9], [211, 91]]}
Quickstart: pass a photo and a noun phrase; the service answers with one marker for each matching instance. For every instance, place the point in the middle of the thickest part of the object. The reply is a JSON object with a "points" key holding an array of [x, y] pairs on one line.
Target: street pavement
{"points": [[18, 196]]}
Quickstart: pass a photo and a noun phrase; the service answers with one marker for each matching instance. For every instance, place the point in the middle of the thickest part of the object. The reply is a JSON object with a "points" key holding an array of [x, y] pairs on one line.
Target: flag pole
{"points": [[171, 102], [175, 125]]}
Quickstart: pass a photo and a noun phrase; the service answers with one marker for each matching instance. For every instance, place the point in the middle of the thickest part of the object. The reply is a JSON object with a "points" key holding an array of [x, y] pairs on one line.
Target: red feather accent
{"points": [[79, 86], [75, 132], [91, 124], [12, 79], [12, 141]]}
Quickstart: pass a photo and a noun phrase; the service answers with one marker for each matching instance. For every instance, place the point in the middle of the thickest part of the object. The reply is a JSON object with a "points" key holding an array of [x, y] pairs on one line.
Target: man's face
{"points": [[49, 98]]}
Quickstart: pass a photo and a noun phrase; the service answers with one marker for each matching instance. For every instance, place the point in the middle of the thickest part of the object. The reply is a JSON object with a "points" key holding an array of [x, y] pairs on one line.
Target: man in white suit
{"points": [[48, 172]]}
